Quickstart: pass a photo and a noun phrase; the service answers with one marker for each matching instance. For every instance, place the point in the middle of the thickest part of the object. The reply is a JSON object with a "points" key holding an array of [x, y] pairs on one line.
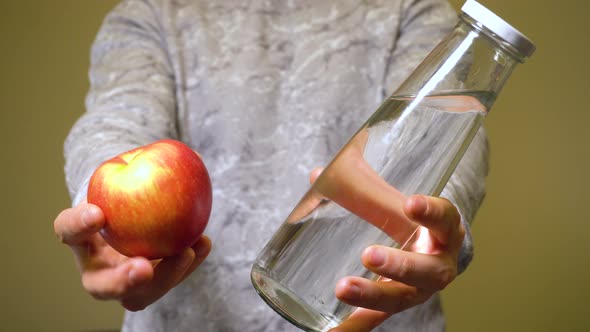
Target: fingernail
{"points": [[132, 274], [186, 259], [202, 251], [354, 291], [350, 291], [88, 215], [420, 205], [191, 255], [376, 256]]}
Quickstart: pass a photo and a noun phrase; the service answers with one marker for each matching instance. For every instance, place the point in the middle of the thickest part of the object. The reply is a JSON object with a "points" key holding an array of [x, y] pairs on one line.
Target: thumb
{"points": [[75, 225]]}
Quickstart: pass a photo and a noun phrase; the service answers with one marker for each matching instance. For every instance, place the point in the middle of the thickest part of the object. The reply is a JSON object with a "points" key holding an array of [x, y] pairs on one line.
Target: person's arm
{"points": [[466, 189], [424, 24], [131, 103], [444, 240]]}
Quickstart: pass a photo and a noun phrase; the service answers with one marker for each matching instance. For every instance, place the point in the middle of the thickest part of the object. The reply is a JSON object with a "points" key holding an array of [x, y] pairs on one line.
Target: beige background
{"points": [[531, 267]]}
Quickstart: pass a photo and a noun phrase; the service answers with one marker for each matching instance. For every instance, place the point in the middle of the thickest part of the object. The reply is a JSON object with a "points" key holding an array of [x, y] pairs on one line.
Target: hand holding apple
{"points": [[156, 199], [107, 274]]}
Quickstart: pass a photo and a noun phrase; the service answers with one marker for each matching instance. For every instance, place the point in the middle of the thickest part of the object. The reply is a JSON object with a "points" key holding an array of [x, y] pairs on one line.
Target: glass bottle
{"points": [[410, 145]]}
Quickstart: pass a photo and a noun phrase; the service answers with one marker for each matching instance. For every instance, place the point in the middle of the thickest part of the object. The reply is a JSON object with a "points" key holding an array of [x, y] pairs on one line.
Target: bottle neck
{"points": [[470, 60], [494, 39]]}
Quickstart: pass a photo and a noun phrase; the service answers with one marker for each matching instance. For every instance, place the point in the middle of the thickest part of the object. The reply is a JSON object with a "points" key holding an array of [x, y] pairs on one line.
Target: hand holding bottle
{"points": [[408, 277], [410, 145]]}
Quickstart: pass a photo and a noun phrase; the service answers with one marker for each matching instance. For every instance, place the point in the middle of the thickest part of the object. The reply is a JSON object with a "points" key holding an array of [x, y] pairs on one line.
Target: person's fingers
{"points": [[171, 269], [167, 273], [362, 320], [107, 283], [75, 225], [387, 296], [439, 215], [352, 183], [310, 201], [313, 175], [431, 272], [202, 248], [137, 282]]}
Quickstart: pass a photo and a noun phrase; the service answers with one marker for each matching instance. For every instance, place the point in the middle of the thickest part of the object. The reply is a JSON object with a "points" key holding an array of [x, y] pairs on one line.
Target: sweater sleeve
{"points": [[466, 190], [131, 98], [424, 24]]}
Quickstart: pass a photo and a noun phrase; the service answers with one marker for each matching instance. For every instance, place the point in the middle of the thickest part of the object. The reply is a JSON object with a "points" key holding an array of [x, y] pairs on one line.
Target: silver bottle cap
{"points": [[500, 27]]}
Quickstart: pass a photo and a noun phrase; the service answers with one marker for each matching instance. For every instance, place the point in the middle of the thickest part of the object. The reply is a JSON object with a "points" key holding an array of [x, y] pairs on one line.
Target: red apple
{"points": [[156, 199]]}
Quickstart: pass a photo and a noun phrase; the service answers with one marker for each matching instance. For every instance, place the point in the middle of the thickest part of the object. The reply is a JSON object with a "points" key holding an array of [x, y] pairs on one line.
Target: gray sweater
{"points": [[265, 91]]}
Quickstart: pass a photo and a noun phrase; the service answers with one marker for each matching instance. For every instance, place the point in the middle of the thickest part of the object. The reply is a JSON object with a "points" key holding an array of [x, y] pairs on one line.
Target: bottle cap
{"points": [[499, 27]]}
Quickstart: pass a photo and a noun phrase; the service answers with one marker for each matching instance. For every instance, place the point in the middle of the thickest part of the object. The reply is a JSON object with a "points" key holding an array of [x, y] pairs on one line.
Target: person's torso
{"points": [[266, 91]]}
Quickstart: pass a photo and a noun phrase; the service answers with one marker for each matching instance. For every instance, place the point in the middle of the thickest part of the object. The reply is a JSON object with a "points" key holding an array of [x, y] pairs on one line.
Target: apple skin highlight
{"points": [[156, 199]]}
